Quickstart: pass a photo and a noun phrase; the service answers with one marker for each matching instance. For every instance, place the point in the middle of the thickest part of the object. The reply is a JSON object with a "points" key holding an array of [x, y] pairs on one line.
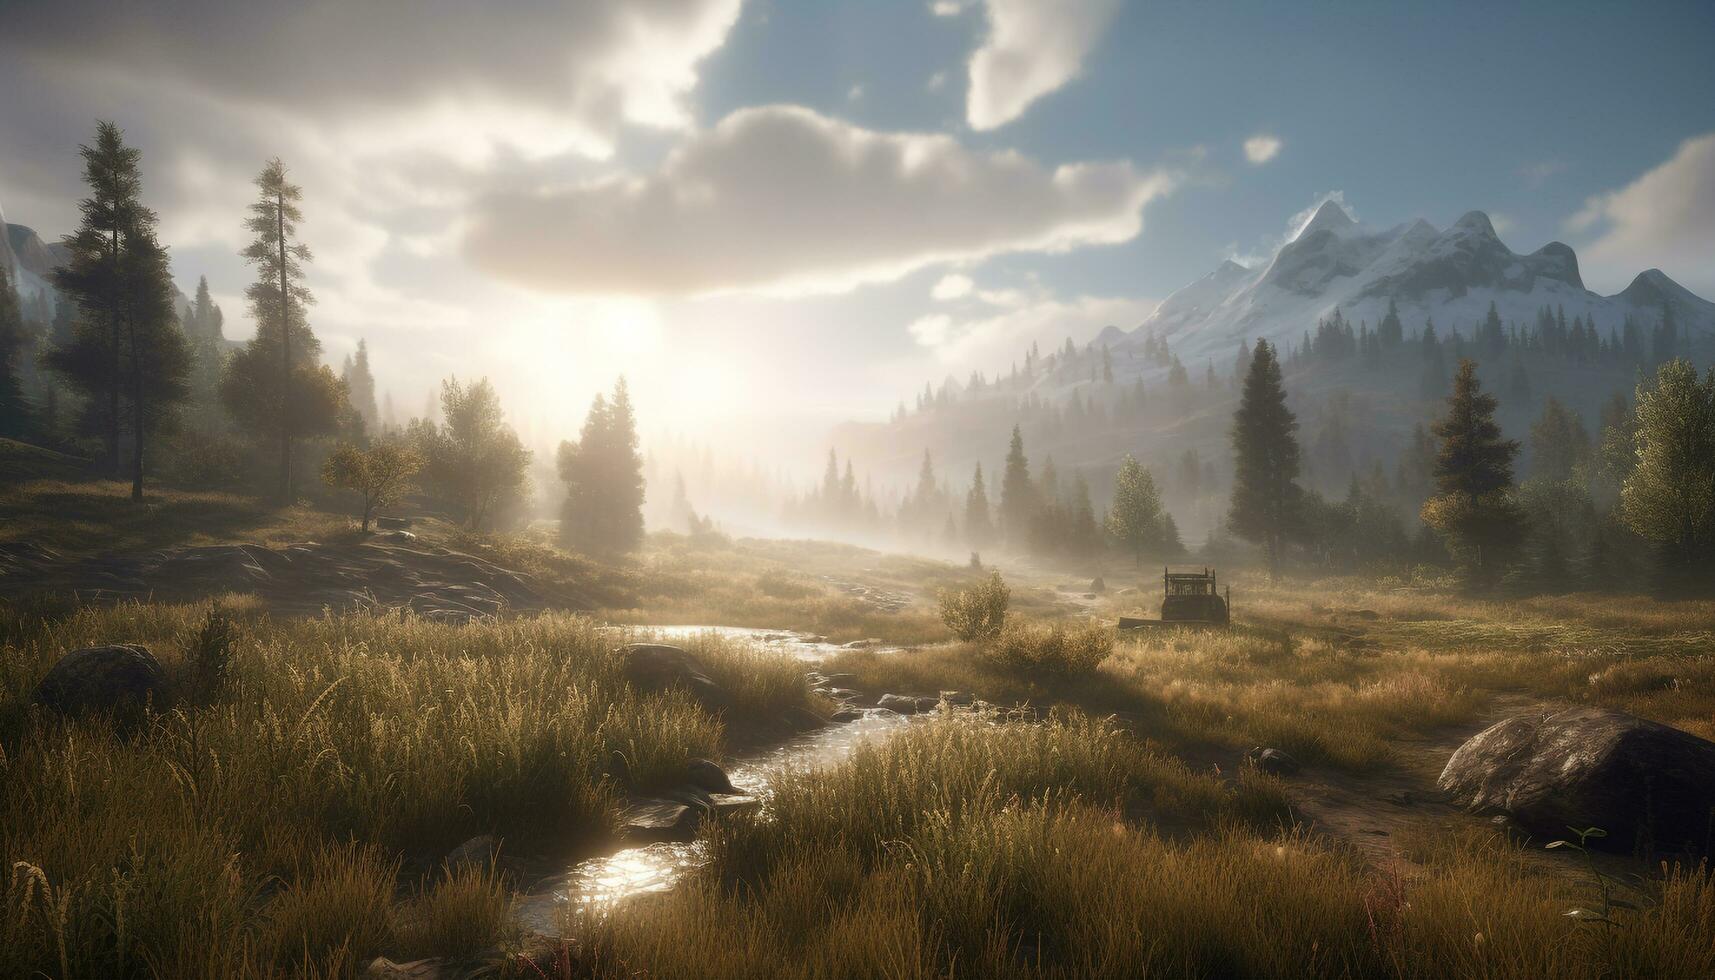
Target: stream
{"points": [[599, 883]]}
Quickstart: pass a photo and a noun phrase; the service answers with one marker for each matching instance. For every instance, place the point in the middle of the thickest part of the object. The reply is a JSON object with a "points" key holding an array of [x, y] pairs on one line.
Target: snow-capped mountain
{"points": [[1450, 275]]}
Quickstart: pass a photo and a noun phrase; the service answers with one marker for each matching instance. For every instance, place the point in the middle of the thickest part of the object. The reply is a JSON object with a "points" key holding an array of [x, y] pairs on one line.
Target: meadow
{"points": [[286, 806]]}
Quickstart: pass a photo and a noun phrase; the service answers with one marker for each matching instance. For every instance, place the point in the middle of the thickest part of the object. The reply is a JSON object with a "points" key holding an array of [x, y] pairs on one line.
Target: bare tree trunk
{"points": [[285, 357], [118, 372]]}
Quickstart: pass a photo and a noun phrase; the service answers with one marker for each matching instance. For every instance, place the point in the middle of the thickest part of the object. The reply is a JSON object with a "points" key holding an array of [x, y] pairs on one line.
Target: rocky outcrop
{"points": [[1650, 787], [115, 677], [303, 579], [1272, 761]]}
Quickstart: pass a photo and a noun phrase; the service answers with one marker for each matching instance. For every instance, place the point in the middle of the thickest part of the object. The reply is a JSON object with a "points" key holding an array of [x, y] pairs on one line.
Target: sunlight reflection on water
{"points": [[600, 883]]}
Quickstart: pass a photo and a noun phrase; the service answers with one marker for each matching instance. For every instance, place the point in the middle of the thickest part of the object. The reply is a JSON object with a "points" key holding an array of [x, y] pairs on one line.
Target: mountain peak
{"points": [[1329, 217], [1476, 222]]}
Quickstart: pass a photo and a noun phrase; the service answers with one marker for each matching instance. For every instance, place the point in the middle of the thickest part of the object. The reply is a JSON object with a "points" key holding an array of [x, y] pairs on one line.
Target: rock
{"points": [[959, 699], [898, 703], [392, 523], [707, 775], [724, 803], [845, 694], [802, 719], [1097, 585], [115, 676], [846, 715], [478, 852], [382, 968], [1650, 787], [840, 680], [658, 667], [1272, 761], [863, 644], [659, 820]]}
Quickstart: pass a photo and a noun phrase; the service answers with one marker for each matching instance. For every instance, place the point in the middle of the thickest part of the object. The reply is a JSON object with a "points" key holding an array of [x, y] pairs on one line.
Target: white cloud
{"points": [[1261, 148], [782, 199], [1664, 219], [445, 75], [1536, 174], [937, 81], [952, 286], [1032, 49], [990, 340], [948, 8]]}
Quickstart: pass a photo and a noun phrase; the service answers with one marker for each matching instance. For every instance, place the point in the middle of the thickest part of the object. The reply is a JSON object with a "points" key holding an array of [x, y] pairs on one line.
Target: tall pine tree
{"points": [[1017, 493], [276, 387], [979, 522], [1472, 508], [126, 355], [1266, 495], [603, 473]]}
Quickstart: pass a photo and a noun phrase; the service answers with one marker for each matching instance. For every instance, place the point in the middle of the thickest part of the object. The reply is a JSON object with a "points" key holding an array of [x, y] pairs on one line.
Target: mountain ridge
{"points": [[1451, 276]]}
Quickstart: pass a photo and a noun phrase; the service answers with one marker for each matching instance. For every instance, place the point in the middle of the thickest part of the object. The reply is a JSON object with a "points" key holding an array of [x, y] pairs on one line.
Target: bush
{"points": [[978, 613], [1055, 649]]}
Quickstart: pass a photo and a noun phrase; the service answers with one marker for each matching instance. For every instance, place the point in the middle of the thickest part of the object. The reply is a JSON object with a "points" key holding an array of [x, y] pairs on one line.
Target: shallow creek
{"points": [[599, 883]]}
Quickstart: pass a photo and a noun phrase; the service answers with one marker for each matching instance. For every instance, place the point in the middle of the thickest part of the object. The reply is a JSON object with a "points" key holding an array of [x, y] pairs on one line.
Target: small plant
{"points": [[1053, 649], [211, 654], [1604, 885], [976, 614]]}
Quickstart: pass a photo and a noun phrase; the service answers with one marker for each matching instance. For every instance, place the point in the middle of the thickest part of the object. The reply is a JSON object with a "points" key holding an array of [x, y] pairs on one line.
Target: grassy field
{"points": [[293, 816]]}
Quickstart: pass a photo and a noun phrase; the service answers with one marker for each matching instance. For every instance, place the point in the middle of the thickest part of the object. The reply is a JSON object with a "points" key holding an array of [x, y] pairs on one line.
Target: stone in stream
{"points": [[707, 775], [114, 676], [846, 715], [1272, 761], [659, 667], [959, 699], [478, 852], [654, 821], [1650, 787], [906, 704]]}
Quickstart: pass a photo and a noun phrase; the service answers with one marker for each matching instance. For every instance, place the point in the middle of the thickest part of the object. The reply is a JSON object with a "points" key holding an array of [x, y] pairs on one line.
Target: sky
{"points": [[772, 215]]}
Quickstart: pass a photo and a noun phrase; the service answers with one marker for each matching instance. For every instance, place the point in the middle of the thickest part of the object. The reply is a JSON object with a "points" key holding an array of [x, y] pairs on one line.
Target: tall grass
{"points": [[964, 849], [286, 812]]}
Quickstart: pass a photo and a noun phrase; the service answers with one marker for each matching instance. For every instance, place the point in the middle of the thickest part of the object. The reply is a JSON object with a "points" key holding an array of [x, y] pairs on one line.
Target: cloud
{"points": [[990, 340], [937, 81], [1261, 148], [1032, 49], [563, 78], [952, 286], [854, 93], [782, 199], [948, 8], [1536, 174], [1664, 219]]}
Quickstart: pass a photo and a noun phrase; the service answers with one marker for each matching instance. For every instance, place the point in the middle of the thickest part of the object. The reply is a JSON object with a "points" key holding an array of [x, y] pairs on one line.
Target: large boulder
{"points": [[114, 677], [659, 667], [1650, 787]]}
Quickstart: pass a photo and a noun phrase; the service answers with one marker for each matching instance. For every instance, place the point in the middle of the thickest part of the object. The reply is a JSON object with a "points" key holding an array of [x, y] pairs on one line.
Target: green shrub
{"points": [[978, 613], [1055, 649]]}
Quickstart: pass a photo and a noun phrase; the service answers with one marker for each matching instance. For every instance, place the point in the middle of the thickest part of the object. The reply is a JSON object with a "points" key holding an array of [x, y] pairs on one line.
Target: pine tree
{"points": [[1136, 520], [1017, 493], [360, 387], [1558, 442], [1472, 507], [1265, 503], [979, 521], [208, 358], [276, 387], [127, 354], [603, 472], [1390, 332]]}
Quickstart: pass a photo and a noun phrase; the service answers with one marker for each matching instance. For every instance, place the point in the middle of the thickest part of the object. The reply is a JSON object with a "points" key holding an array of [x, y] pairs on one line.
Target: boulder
{"points": [[1649, 786], [659, 667], [708, 775], [1097, 585], [903, 704], [478, 852], [845, 715], [1272, 761], [115, 676], [660, 820], [959, 699]]}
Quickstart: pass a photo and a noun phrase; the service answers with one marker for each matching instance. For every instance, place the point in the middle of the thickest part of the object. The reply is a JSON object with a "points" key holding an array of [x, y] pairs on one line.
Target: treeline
{"points": [[1629, 510], [118, 371]]}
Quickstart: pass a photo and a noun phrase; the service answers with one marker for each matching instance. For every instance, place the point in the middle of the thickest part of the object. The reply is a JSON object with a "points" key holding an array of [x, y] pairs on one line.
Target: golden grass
{"points": [[286, 821]]}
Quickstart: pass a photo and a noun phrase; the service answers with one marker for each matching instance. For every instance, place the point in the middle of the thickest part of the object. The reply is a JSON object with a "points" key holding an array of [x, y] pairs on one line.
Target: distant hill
{"points": [[32, 259]]}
